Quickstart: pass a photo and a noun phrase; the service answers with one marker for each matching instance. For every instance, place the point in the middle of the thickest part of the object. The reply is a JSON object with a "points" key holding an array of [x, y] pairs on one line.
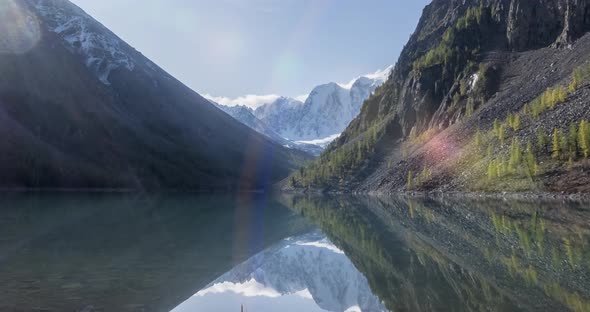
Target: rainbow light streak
{"points": [[251, 203]]}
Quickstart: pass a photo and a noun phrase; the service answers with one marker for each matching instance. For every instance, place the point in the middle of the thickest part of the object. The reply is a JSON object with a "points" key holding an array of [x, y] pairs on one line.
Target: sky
{"points": [[236, 48]]}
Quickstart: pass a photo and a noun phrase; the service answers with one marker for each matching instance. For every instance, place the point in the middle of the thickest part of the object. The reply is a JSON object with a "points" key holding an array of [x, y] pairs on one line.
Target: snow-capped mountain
{"points": [[246, 116], [80, 108], [102, 52], [326, 112], [305, 273]]}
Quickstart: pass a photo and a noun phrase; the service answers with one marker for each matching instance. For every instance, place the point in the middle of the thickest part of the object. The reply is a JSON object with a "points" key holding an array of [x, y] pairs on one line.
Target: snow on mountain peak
{"points": [[252, 101], [317, 118], [381, 75], [378, 76], [103, 51]]}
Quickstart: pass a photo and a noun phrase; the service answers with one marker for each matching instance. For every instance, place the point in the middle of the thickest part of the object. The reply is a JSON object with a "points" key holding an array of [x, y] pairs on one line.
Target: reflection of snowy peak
{"points": [[308, 266], [102, 50]]}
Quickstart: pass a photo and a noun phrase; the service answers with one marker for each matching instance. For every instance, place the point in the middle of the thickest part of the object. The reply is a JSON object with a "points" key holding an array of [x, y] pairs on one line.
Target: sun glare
{"points": [[19, 27]]}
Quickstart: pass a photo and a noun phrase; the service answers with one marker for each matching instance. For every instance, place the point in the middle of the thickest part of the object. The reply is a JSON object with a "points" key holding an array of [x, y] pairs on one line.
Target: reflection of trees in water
{"points": [[424, 254]]}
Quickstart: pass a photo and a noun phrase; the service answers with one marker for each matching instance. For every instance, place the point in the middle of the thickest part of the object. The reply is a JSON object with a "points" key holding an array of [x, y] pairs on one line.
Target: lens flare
{"points": [[19, 28]]}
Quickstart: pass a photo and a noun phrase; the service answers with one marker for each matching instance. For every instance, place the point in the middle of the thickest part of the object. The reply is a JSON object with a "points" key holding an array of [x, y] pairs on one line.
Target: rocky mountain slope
{"points": [[79, 108], [467, 106]]}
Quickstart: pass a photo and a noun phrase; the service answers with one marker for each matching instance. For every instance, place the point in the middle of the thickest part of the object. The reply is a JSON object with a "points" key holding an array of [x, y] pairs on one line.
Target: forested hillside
{"points": [[486, 96]]}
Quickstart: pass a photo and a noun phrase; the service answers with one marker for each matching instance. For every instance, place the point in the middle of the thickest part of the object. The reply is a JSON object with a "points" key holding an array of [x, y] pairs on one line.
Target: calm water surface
{"points": [[186, 253]]}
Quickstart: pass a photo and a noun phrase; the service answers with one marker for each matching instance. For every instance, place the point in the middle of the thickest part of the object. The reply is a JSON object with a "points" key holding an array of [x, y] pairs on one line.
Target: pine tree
{"points": [[516, 122], [563, 144], [424, 175], [478, 139], [500, 167], [490, 151], [584, 138], [555, 148], [492, 169], [514, 156], [496, 127], [532, 165], [577, 78], [541, 139], [502, 134], [509, 120], [359, 153], [573, 140], [570, 163], [470, 107]]}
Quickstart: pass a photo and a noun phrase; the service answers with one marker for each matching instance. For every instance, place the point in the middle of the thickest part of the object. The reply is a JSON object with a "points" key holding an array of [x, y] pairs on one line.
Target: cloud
{"points": [[251, 288], [252, 101], [255, 101]]}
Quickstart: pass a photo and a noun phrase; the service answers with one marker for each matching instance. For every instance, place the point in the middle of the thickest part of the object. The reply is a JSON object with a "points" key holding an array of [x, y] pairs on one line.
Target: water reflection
{"points": [[303, 273], [462, 255], [291, 253], [123, 253]]}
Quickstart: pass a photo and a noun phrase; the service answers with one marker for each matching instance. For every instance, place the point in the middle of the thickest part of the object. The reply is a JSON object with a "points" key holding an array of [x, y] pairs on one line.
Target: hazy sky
{"points": [[238, 47]]}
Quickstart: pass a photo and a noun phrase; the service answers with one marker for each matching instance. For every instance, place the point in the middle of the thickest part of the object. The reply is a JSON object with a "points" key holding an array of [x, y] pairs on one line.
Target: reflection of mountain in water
{"points": [[425, 255], [304, 273], [102, 252]]}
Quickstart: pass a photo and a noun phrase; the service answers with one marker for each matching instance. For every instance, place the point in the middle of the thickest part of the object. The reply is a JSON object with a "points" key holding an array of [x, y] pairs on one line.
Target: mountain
{"points": [[486, 96], [80, 108], [246, 116], [307, 269], [311, 125], [327, 111]]}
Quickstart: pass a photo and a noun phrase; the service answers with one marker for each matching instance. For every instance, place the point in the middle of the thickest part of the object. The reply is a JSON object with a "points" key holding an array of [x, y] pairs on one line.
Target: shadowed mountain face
{"points": [[460, 254], [79, 108]]}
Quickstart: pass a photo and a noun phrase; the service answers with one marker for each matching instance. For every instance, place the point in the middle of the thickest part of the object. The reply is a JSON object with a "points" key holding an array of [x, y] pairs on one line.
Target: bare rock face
{"points": [[533, 23], [455, 63], [576, 21], [421, 98]]}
